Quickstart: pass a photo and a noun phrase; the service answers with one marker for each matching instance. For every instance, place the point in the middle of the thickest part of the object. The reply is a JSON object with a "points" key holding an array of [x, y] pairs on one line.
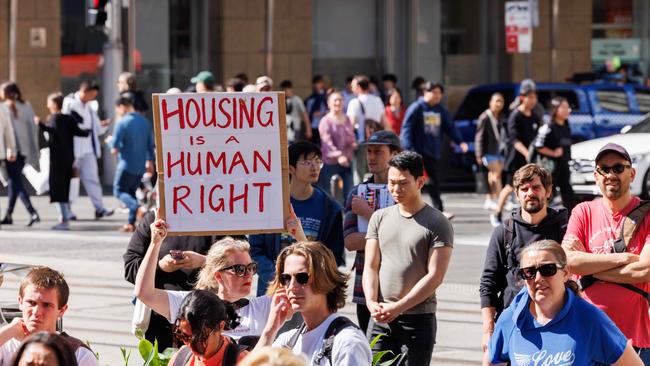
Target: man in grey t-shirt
{"points": [[408, 248]]}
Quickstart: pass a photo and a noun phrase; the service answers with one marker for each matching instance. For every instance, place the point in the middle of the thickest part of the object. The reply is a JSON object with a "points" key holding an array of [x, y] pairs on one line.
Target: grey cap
{"points": [[384, 138], [527, 86], [613, 148]]}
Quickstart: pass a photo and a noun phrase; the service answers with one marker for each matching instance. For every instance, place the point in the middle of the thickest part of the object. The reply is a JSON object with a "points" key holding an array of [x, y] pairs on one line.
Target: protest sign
{"points": [[222, 162]]}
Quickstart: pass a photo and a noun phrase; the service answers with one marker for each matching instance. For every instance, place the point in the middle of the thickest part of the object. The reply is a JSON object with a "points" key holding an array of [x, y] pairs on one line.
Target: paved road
{"points": [[100, 310]]}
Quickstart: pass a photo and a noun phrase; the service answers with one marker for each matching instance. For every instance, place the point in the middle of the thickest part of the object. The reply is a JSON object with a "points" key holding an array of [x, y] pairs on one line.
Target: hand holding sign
{"points": [[294, 227]]}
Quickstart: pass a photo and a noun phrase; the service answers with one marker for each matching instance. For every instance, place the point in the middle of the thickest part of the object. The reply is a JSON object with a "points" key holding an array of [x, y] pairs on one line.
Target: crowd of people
{"points": [[560, 285]]}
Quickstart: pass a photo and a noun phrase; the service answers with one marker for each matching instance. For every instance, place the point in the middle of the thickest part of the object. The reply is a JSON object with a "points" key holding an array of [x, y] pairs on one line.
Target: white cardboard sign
{"points": [[222, 162]]}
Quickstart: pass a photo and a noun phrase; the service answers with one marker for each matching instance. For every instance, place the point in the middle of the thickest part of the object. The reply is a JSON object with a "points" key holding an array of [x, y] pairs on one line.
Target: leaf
{"points": [[379, 355], [390, 362], [376, 339]]}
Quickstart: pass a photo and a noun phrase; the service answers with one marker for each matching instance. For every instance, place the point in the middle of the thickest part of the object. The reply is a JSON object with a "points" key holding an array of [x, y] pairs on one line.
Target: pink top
{"points": [[336, 138], [597, 228]]}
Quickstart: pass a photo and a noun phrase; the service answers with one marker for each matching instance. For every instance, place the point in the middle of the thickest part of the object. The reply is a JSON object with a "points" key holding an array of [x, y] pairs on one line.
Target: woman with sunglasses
{"points": [[228, 272], [200, 326], [553, 146], [549, 323]]}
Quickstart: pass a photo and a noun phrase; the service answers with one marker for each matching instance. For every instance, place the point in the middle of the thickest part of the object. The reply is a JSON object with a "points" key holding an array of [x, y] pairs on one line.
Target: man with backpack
{"points": [[606, 245], [532, 222], [307, 281]]}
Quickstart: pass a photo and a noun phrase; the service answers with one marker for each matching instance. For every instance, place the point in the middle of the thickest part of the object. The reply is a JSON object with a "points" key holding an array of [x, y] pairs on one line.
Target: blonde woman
{"points": [[228, 272]]}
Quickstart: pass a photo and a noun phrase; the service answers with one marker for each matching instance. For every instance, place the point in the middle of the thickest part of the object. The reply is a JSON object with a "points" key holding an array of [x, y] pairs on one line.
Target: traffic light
{"points": [[96, 13]]}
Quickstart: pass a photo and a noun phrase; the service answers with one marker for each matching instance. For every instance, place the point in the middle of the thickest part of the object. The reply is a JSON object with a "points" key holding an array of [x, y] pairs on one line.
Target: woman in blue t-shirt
{"points": [[549, 324]]}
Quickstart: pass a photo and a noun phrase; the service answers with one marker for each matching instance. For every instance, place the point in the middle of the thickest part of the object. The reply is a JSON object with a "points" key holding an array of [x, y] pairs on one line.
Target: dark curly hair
{"points": [[325, 277]]}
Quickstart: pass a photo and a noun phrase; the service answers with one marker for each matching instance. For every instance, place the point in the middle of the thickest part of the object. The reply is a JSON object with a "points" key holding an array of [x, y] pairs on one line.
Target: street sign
{"points": [[519, 34], [222, 162]]}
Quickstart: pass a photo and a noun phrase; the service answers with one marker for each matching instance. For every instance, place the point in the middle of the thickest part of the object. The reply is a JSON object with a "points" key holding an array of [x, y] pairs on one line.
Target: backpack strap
{"points": [[294, 338], [231, 354], [630, 226], [509, 237], [183, 356], [333, 329]]}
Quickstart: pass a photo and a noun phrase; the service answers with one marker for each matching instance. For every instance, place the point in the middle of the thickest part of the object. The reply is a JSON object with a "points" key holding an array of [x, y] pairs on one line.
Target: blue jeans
{"points": [[15, 188], [328, 171], [124, 188], [412, 335]]}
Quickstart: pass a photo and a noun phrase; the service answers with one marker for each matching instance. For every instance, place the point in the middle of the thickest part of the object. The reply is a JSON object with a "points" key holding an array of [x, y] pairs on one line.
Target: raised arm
{"points": [[145, 287]]}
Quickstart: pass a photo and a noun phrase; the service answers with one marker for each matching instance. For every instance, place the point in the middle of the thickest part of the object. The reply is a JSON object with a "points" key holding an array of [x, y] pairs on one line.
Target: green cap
{"points": [[205, 77]]}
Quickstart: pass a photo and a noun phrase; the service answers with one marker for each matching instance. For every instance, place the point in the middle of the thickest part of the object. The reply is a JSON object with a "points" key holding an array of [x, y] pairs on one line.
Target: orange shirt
{"points": [[215, 360]]}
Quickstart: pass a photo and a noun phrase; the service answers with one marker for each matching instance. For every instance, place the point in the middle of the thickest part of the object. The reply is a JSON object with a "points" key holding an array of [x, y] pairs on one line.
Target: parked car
{"points": [[598, 110], [634, 139]]}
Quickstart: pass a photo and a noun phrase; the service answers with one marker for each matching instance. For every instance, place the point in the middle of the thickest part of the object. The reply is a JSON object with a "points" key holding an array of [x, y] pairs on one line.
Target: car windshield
{"points": [[476, 102], [641, 127]]}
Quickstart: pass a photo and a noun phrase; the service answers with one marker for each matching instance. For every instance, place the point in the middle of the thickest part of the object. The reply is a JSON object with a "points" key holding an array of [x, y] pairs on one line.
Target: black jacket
{"points": [[499, 282]]}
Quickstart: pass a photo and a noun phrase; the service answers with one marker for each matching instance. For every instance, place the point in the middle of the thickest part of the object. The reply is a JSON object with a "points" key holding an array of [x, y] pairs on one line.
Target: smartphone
{"points": [[176, 254]]}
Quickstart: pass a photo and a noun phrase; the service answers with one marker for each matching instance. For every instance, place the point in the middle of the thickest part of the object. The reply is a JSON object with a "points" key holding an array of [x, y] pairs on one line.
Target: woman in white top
{"points": [[228, 272]]}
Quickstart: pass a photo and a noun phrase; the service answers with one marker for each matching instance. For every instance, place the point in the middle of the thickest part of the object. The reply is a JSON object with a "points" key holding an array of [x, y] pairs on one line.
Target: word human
{"points": [[218, 112]]}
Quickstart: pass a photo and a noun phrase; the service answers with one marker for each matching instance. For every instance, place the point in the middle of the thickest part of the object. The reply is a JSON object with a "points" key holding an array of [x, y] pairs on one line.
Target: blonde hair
{"points": [[324, 276], [216, 260], [270, 356]]}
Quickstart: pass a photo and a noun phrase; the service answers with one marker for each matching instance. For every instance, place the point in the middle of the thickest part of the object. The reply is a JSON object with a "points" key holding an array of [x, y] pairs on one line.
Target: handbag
{"points": [[141, 317]]}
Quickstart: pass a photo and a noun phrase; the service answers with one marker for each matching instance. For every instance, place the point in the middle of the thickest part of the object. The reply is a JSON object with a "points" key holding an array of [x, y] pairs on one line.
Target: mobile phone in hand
{"points": [[176, 254]]}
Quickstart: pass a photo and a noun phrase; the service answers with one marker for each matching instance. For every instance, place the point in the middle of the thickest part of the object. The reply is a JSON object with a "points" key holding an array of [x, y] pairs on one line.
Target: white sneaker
{"points": [[448, 215], [489, 204], [494, 220]]}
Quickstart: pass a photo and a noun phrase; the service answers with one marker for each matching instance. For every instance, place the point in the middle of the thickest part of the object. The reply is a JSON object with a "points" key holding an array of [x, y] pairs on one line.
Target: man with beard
{"points": [[532, 222], [621, 273]]}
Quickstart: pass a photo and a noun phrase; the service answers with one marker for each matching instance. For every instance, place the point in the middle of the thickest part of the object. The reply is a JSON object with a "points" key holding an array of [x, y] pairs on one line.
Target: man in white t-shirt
{"points": [[308, 281], [364, 107], [43, 298]]}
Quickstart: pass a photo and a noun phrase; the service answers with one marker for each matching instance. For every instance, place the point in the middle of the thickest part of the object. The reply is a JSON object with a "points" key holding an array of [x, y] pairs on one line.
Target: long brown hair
{"points": [[325, 277]]}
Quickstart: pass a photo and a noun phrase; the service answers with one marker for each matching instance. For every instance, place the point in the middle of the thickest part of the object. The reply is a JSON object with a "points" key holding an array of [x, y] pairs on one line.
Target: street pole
{"points": [[555, 13], [270, 5], [13, 25], [113, 66]]}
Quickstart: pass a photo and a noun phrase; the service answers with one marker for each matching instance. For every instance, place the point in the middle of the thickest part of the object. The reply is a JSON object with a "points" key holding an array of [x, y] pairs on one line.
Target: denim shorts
{"points": [[491, 158]]}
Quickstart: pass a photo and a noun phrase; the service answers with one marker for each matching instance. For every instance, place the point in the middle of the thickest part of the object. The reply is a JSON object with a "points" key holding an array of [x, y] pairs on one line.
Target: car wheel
{"points": [[645, 189]]}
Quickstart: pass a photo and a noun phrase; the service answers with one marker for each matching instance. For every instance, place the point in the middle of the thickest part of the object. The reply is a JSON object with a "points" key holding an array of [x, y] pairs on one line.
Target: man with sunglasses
{"points": [[533, 186], [593, 229], [321, 216], [307, 281], [408, 248]]}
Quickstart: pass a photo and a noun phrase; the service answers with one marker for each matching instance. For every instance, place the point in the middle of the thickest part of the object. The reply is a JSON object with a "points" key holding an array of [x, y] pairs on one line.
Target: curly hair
{"points": [[325, 277]]}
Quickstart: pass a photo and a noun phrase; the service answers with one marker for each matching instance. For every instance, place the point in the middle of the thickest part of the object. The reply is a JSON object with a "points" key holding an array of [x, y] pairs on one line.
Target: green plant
{"points": [[150, 354], [378, 356], [125, 355]]}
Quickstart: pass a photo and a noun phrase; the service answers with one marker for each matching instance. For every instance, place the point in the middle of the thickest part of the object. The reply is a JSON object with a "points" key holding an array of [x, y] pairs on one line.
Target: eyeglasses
{"points": [[313, 162], [178, 333], [616, 168], [197, 342], [242, 269], [301, 277], [546, 270]]}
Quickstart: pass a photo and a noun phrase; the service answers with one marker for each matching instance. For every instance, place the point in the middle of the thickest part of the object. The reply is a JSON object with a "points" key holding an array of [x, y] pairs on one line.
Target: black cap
{"points": [[384, 138], [614, 148]]}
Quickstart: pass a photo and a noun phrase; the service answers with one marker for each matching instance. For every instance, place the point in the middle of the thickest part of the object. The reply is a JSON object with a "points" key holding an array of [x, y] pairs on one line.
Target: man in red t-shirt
{"points": [[592, 230]]}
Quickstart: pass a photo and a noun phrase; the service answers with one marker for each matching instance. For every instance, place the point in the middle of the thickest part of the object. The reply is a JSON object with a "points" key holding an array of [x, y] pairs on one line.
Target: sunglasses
{"points": [[242, 269], [198, 342], [616, 168], [546, 270], [301, 277]]}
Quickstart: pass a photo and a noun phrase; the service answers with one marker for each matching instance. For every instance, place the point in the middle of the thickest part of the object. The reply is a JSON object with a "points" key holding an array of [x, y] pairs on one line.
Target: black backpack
{"points": [[509, 237], [333, 329], [629, 228]]}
